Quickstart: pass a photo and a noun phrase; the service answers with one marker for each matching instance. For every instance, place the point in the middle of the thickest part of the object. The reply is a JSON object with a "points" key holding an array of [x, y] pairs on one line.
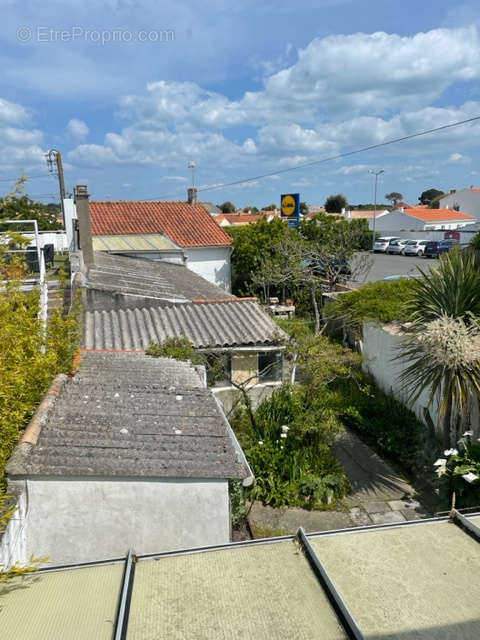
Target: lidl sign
{"points": [[290, 207]]}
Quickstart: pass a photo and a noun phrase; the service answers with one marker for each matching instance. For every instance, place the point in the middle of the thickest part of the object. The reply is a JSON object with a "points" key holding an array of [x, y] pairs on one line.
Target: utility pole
{"points": [[376, 174], [54, 157]]}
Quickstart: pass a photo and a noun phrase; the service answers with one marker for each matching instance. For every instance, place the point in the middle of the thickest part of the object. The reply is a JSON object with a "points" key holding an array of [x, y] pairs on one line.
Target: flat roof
{"points": [[407, 582], [54, 605], [134, 242], [263, 591]]}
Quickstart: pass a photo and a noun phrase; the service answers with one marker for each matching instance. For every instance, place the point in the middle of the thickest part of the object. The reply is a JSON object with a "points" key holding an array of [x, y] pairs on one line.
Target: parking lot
{"points": [[386, 266]]}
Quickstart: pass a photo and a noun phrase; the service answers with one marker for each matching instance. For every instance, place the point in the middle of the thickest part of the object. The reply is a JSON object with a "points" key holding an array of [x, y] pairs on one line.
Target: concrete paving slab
{"points": [[413, 514], [289, 520], [387, 517], [359, 516], [399, 505], [376, 506]]}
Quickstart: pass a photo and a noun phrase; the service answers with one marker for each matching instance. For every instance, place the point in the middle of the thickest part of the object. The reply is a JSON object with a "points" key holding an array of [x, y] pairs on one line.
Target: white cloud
{"points": [[77, 129], [11, 113], [458, 158]]}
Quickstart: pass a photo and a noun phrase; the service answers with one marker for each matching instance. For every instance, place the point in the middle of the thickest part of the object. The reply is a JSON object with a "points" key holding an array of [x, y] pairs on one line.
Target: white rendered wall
{"points": [[83, 520], [212, 263], [401, 221], [468, 201]]}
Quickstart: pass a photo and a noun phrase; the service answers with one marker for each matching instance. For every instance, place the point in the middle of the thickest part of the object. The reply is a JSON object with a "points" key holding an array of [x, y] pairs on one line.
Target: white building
{"points": [[421, 219], [178, 232], [466, 200], [133, 452]]}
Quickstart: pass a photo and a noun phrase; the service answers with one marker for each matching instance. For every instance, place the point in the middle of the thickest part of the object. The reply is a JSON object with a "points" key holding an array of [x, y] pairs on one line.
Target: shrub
{"points": [[377, 301], [29, 359], [288, 450], [387, 423]]}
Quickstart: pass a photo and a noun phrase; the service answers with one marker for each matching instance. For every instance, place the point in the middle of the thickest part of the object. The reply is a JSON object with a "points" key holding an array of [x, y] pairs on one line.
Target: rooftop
{"points": [[230, 323], [134, 242], [438, 215], [412, 581], [130, 415], [146, 278], [186, 225]]}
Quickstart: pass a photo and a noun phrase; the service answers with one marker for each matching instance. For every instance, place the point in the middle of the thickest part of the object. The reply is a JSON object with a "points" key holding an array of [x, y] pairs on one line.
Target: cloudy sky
{"points": [[132, 91]]}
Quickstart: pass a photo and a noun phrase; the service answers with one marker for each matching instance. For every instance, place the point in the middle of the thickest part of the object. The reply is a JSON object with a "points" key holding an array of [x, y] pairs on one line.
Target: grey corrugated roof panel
{"points": [[131, 415], [206, 325], [138, 277]]}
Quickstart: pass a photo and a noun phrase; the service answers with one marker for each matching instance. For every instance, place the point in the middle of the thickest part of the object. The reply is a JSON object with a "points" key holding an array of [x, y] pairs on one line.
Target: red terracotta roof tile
{"points": [[438, 215], [185, 224]]}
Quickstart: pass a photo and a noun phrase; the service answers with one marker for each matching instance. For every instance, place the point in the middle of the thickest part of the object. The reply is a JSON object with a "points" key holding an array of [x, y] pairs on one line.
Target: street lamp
{"points": [[376, 174]]}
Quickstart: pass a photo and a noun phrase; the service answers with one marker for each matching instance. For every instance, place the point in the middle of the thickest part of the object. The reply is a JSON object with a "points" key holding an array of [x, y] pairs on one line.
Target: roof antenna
{"points": [[192, 166]]}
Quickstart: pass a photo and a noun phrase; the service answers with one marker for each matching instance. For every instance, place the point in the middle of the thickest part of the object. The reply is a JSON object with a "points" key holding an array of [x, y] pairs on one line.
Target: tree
{"points": [[335, 204], [251, 245], [251, 210], [394, 197], [270, 207], [303, 208], [430, 194], [443, 342], [227, 207], [18, 206]]}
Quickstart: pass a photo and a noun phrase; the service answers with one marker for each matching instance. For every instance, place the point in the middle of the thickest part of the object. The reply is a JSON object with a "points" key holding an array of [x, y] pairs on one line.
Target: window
{"points": [[270, 366], [219, 369]]}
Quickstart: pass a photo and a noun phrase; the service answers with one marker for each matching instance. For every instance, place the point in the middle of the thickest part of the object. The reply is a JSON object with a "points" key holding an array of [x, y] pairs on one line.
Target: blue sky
{"points": [[241, 89]]}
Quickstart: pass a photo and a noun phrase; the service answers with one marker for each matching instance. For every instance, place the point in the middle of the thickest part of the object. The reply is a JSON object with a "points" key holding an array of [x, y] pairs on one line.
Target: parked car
{"points": [[381, 244], [415, 248], [435, 248], [396, 246]]}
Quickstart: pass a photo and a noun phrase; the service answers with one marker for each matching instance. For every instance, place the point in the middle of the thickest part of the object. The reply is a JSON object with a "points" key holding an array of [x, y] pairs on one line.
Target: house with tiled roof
{"points": [[130, 451], [240, 219], [421, 219], [179, 232], [466, 200]]}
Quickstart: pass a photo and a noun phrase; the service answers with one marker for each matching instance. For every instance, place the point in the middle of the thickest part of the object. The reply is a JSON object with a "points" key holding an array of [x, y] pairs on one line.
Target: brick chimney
{"points": [[84, 224], [192, 195]]}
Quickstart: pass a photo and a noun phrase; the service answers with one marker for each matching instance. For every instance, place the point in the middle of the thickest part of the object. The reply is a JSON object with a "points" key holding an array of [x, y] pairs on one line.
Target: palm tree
{"points": [[443, 341]]}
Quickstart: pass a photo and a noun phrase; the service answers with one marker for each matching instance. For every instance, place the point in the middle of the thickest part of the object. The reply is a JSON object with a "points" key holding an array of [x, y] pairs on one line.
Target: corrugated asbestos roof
{"points": [[134, 242], [161, 280], [410, 581], [185, 224], [207, 325], [131, 415]]}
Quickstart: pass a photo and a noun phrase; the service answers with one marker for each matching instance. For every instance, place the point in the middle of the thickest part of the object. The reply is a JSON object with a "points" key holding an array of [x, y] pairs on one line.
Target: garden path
{"points": [[379, 496]]}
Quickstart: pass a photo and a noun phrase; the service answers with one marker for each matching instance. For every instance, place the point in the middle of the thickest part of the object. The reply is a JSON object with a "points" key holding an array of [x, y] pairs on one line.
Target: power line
{"points": [[336, 157], [40, 175]]}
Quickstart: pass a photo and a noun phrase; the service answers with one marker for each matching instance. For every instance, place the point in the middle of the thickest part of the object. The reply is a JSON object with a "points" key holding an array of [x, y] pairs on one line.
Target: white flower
{"points": [[450, 452], [260, 442], [285, 428], [468, 433], [441, 462], [470, 477], [283, 435]]}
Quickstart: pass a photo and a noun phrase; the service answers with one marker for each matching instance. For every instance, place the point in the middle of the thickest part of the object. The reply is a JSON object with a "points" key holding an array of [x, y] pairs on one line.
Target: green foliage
{"points": [[380, 302], [453, 288], [29, 358], [385, 422], [270, 207], [252, 244], [428, 196], [461, 464], [237, 502], [394, 196], [178, 348], [227, 207], [288, 449], [18, 206], [335, 203]]}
